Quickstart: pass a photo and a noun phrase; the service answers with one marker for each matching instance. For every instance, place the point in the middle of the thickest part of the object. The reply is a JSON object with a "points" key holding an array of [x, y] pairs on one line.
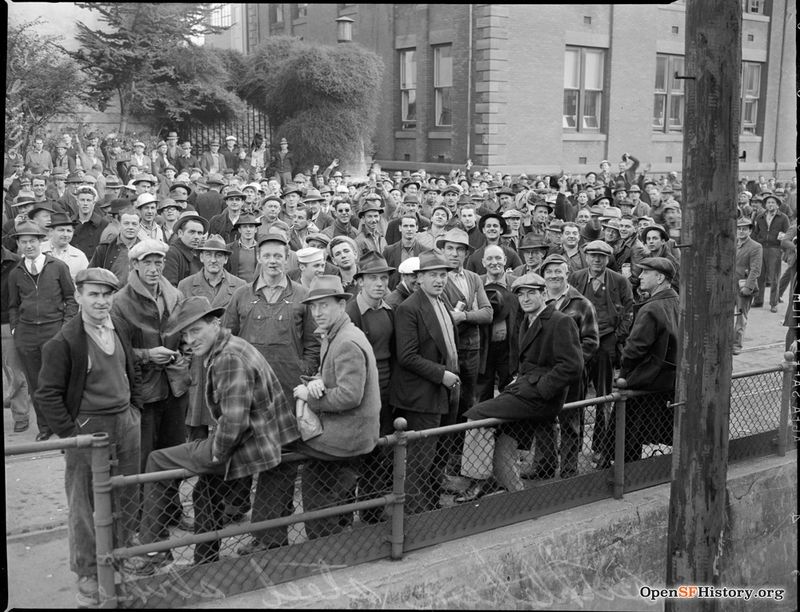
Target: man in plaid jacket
{"points": [[252, 421]]}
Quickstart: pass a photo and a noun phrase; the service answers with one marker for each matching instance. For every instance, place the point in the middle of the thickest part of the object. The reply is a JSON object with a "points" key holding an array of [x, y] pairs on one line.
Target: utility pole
{"points": [[697, 510]]}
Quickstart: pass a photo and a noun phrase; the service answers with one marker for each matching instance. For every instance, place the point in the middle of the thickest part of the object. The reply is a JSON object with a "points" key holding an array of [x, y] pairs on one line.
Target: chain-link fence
{"points": [[199, 536]]}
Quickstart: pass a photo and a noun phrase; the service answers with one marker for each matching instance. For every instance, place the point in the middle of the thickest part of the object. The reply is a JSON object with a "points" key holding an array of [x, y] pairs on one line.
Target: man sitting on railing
{"points": [[253, 421], [550, 361]]}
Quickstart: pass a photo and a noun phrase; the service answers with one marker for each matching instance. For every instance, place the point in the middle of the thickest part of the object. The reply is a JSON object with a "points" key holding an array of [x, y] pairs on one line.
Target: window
{"points": [[751, 91], [408, 88], [668, 102], [275, 13], [443, 84], [583, 89], [299, 11], [221, 16], [754, 6]]}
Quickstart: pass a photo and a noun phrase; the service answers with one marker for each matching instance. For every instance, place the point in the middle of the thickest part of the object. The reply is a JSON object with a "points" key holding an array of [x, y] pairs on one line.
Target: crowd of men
{"points": [[214, 293]]}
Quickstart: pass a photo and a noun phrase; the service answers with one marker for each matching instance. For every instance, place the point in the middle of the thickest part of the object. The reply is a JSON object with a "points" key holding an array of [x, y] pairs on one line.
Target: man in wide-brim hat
{"points": [[253, 420]]}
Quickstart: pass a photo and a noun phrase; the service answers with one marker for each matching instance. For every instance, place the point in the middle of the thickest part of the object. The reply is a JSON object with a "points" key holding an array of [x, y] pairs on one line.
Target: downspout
{"points": [[780, 82], [469, 83]]}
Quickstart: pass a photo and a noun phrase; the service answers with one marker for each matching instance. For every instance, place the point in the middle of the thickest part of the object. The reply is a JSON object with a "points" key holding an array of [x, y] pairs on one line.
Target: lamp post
{"points": [[344, 29]]}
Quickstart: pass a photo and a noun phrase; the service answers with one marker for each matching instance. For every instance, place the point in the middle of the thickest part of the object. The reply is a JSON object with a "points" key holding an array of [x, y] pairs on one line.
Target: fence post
{"points": [[399, 488], [786, 402], [619, 439], [103, 520]]}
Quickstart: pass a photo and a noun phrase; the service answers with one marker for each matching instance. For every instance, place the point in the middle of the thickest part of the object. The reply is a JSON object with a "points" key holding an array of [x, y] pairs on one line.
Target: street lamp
{"points": [[344, 29]]}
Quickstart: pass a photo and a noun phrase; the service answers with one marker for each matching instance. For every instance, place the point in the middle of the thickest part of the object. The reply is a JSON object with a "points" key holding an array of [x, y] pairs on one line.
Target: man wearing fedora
{"points": [[269, 314], [659, 244], [313, 202], [550, 361], [112, 254], [224, 224], [345, 393], [251, 417], [370, 237], [493, 226], [61, 230], [649, 360], [282, 163], [90, 383], [292, 195], [770, 228], [40, 300], [182, 258], [425, 380], [747, 270]]}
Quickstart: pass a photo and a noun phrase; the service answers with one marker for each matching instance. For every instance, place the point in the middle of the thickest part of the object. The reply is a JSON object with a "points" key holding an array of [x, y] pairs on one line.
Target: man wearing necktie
{"points": [[425, 375], [90, 383]]}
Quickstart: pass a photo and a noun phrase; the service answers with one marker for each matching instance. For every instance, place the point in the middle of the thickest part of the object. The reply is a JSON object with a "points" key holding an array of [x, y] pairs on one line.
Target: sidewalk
{"points": [[36, 509]]}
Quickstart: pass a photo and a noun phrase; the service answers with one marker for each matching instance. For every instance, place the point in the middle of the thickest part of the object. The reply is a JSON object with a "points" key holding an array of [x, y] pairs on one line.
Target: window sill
{"points": [[407, 134], [755, 17], [749, 138], [441, 135], [584, 136]]}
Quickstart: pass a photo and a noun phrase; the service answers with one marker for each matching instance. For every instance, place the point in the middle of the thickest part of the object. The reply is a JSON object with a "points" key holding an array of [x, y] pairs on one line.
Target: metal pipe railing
{"points": [[784, 432], [80, 441], [103, 520]]}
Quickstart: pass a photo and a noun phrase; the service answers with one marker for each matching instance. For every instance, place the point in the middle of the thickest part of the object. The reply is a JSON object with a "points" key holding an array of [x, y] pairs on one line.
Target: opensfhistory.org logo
{"points": [[711, 592]]}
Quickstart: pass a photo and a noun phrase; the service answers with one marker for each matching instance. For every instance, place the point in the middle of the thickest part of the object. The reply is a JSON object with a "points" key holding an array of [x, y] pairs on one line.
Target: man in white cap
{"points": [[147, 207], [311, 263], [230, 152], [89, 383], [407, 270], [146, 302]]}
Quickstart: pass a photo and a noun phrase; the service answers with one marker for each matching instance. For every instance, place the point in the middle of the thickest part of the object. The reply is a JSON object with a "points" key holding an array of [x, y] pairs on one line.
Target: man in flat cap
{"points": [[747, 270], [550, 360], [112, 254], [146, 302], [213, 161], [90, 383], [252, 420], [649, 360]]}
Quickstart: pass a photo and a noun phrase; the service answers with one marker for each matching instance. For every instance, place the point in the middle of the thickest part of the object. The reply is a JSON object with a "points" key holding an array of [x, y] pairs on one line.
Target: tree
{"points": [[41, 82], [146, 56], [323, 99]]}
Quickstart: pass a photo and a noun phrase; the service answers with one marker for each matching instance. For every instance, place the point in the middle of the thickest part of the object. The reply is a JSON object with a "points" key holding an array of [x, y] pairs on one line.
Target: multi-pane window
{"points": [[754, 6], [221, 16], [275, 13], [583, 89], [443, 84], [299, 11], [668, 100], [408, 88], [751, 91]]}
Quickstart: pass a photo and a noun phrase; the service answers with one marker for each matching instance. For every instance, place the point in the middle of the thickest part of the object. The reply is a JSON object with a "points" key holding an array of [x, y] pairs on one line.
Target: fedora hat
{"points": [[144, 178], [234, 193], [372, 263], [117, 205], [370, 206], [28, 228], [186, 186], [246, 220], [432, 260], [325, 285], [312, 195], [658, 228], [190, 215], [190, 310], [500, 220], [59, 218], [292, 188], [23, 199], [48, 206], [167, 202], [215, 242], [456, 236], [744, 221], [215, 179], [533, 241]]}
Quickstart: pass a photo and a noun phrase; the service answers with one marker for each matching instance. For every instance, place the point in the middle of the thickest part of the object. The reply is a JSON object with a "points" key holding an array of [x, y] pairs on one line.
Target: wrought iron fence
{"points": [[416, 489], [245, 127]]}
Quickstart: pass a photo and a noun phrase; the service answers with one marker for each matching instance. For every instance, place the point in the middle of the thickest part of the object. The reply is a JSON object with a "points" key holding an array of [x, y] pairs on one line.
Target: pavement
{"points": [[36, 508]]}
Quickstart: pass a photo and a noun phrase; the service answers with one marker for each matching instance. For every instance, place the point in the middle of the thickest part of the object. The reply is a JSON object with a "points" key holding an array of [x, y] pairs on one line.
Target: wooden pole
{"points": [[697, 513]]}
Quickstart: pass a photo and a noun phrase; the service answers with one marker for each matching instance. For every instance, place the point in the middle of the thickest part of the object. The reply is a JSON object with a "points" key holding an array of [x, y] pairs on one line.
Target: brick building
{"points": [[540, 88]]}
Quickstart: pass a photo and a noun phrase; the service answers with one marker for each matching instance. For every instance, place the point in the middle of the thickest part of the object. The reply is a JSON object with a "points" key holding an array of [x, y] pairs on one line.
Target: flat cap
{"points": [[528, 281], [555, 258], [148, 246], [599, 247], [659, 264], [97, 276]]}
